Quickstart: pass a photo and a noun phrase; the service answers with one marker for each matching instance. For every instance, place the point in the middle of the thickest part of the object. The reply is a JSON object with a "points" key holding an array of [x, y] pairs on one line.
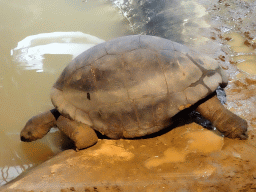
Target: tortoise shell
{"points": [[131, 86]]}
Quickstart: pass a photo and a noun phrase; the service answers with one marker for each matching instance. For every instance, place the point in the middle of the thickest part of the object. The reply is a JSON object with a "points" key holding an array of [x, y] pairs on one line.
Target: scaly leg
{"points": [[225, 121], [83, 135]]}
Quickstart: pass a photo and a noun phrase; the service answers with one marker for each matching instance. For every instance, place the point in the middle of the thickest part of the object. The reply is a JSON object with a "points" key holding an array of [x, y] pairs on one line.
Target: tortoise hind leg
{"points": [[83, 135], [225, 121]]}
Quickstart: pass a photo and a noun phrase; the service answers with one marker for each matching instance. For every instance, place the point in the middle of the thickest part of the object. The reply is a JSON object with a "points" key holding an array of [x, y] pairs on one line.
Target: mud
{"points": [[187, 158]]}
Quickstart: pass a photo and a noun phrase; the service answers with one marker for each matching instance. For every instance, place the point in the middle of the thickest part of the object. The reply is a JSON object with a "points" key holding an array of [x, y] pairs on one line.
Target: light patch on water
{"points": [[31, 50], [243, 55], [201, 141], [248, 66], [204, 141], [237, 43]]}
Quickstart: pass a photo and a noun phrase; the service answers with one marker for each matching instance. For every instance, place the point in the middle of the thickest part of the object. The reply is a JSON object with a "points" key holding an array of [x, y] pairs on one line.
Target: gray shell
{"points": [[132, 86]]}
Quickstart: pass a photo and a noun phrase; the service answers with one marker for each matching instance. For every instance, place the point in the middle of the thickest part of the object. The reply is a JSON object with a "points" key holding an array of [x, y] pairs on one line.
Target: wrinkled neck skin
{"points": [[225, 121], [38, 126]]}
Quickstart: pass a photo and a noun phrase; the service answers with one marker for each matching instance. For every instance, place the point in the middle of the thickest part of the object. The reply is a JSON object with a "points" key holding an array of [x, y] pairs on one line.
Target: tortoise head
{"points": [[37, 127]]}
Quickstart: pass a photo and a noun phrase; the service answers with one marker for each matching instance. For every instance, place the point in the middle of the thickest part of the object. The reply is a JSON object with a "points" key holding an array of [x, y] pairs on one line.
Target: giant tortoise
{"points": [[130, 87]]}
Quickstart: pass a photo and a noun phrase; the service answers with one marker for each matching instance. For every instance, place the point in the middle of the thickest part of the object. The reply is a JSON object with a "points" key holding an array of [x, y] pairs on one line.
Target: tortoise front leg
{"points": [[83, 135], [225, 121]]}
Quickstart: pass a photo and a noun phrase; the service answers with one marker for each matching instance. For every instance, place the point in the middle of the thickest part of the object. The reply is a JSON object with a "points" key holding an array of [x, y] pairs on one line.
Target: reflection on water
{"points": [[16, 157], [11, 160], [10, 173], [30, 51]]}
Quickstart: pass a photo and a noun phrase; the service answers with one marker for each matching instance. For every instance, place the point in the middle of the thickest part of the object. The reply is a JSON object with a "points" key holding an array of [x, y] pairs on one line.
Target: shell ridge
{"points": [[199, 66], [205, 73], [106, 50], [162, 70]]}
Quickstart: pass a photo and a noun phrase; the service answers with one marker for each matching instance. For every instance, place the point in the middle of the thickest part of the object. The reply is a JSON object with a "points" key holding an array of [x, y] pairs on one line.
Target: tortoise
{"points": [[130, 87]]}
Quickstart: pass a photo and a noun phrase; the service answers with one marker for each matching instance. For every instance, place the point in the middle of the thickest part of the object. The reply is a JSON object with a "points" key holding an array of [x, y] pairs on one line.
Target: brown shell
{"points": [[132, 86]]}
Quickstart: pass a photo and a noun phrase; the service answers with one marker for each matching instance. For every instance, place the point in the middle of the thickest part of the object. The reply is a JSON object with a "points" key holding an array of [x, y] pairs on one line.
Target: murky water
{"points": [[39, 38], [244, 54]]}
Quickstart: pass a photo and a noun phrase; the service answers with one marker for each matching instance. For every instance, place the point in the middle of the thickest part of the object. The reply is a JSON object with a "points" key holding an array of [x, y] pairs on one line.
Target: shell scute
{"points": [[181, 73], [194, 94], [81, 80], [108, 72], [139, 83]]}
